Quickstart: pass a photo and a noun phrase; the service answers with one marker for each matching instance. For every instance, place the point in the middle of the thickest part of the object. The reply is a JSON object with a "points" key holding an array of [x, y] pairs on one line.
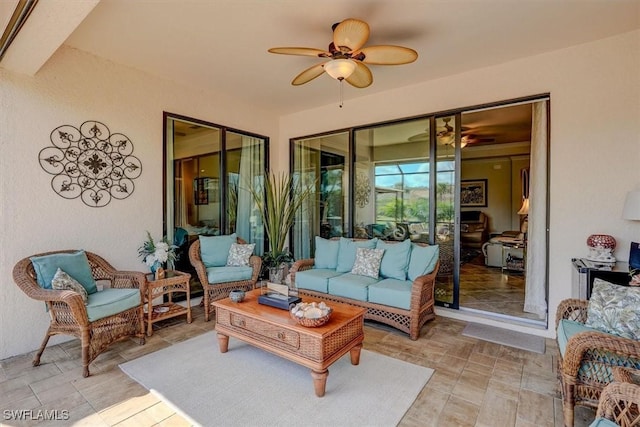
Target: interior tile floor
{"points": [[489, 289], [475, 383]]}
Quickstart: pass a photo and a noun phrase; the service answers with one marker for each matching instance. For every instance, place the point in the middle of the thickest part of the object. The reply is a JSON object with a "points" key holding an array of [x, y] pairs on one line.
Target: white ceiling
{"points": [[221, 45]]}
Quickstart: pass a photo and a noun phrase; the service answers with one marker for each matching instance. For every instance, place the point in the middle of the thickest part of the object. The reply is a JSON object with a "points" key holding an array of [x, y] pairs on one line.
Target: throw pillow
{"points": [[326, 254], [214, 250], [614, 309], [367, 262], [75, 264], [347, 252], [423, 260], [62, 281], [239, 254], [395, 260]]}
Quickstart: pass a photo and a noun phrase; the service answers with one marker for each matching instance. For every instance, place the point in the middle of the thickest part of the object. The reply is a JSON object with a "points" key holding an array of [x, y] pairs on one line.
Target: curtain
{"points": [[535, 287], [305, 170], [241, 204]]}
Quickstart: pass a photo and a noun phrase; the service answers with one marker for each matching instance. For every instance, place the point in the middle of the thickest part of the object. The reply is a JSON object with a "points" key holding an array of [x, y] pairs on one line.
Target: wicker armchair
{"points": [[69, 314], [620, 403], [589, 360], [217, 291]]}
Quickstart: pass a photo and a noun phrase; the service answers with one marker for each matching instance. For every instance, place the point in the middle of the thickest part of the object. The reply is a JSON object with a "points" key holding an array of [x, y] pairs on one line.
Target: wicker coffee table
{"points": [[273, 330]]}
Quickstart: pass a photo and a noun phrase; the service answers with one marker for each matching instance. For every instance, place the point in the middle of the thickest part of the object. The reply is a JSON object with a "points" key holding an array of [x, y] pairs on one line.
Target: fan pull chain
{"points": [[341, 80]]}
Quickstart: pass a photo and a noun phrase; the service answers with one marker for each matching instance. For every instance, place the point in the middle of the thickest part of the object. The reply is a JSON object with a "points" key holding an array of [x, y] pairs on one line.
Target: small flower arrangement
{"points": [[156, 254], [635, 277]]}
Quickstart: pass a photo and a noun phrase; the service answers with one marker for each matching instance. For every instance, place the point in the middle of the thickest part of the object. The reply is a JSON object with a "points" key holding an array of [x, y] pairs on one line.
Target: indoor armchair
{"points": [[474, 229], [108, 315]]}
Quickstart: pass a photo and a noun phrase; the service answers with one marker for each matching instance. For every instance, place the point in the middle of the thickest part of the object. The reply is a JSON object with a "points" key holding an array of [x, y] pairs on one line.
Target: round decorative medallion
{"points": [[91, 163]]}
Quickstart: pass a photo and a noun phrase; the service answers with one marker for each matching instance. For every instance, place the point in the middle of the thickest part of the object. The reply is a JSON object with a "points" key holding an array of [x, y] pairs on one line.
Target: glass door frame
{"points": [[167, 161]]}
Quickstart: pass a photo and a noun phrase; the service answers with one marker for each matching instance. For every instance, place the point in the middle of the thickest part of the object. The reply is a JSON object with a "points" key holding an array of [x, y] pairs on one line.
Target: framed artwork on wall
{"points": [[473, 193], [206, 190], [200, 190]]}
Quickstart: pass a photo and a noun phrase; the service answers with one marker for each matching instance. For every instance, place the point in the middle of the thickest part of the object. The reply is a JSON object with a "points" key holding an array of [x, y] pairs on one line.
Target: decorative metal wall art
{"points": [[363, 189], [91, 163]]}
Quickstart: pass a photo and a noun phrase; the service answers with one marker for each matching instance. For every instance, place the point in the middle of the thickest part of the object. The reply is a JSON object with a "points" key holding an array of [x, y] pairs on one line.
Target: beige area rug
{"points": [[250, 387], [505, 337]]}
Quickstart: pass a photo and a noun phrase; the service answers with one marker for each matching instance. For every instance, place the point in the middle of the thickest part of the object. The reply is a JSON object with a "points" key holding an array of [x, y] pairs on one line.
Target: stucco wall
{"points": [[595, 137], [71, 88]]}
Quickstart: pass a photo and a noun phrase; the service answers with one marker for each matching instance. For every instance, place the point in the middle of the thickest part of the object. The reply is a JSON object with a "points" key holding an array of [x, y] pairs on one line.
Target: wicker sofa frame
{"points": [[217, 291], [409, 321], [69, 315], [590, 360]]}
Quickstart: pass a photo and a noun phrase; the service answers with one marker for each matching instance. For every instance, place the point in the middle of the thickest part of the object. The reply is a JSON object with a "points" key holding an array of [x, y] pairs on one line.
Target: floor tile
{"points": [[475, 383]]}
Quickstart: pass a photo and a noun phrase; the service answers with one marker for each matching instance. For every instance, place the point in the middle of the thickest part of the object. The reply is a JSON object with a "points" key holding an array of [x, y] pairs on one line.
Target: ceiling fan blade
{"points": [[418, 137], [388, 55], [361, 77], [350, 35], [308, 75], [302, 51]]}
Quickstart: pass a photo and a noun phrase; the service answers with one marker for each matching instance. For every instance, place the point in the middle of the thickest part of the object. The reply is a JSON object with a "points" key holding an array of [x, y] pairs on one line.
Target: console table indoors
{"points": [[514, 257]]}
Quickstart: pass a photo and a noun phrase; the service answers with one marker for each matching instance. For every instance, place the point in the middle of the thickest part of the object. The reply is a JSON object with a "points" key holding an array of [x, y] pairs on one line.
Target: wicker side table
{"points": [[174, 281]]}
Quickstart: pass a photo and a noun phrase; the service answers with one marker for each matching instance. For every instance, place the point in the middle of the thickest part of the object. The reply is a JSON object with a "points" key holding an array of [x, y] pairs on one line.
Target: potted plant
{"points": [[278, 200], [157, 254]]}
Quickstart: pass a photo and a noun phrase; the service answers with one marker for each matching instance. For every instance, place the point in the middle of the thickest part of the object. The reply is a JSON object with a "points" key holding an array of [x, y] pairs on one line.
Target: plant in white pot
{"points": [[278, 200]]}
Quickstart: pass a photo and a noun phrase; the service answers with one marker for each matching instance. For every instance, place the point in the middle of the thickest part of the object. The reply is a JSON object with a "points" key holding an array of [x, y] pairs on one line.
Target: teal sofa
{"points": [[402, 294]]}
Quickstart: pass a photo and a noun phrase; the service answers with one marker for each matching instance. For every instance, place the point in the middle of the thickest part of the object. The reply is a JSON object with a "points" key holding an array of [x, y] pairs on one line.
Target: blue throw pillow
{"points": [[423, 260], [395, 260], [214, 250], [74, 264], [326, 255], [347, 252]]}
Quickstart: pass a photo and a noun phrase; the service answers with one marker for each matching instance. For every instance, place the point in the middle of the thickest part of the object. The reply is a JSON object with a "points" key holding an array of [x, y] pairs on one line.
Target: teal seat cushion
{"points": [[214, 250], [326, 255], [603, 422], [74, 264], [423, 260], [393, 292], [108, 302], [351, 286], [395, 260], [347, 252], [229, 274], [567, 329], [316, 279]]}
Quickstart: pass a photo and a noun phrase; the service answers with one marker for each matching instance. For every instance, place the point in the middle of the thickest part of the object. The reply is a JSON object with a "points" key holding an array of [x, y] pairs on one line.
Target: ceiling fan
{"points": [[444, 133], [347, 56]]}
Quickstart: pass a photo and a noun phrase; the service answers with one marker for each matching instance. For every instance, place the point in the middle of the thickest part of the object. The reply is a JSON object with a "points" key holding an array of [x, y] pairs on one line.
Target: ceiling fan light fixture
{"points": [[340, 69]]}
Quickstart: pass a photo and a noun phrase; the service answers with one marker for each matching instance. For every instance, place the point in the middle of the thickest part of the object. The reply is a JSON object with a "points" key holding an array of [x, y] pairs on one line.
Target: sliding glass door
{"points": [[208, 169], [447, 232], [457, 179], [323, 161]]}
